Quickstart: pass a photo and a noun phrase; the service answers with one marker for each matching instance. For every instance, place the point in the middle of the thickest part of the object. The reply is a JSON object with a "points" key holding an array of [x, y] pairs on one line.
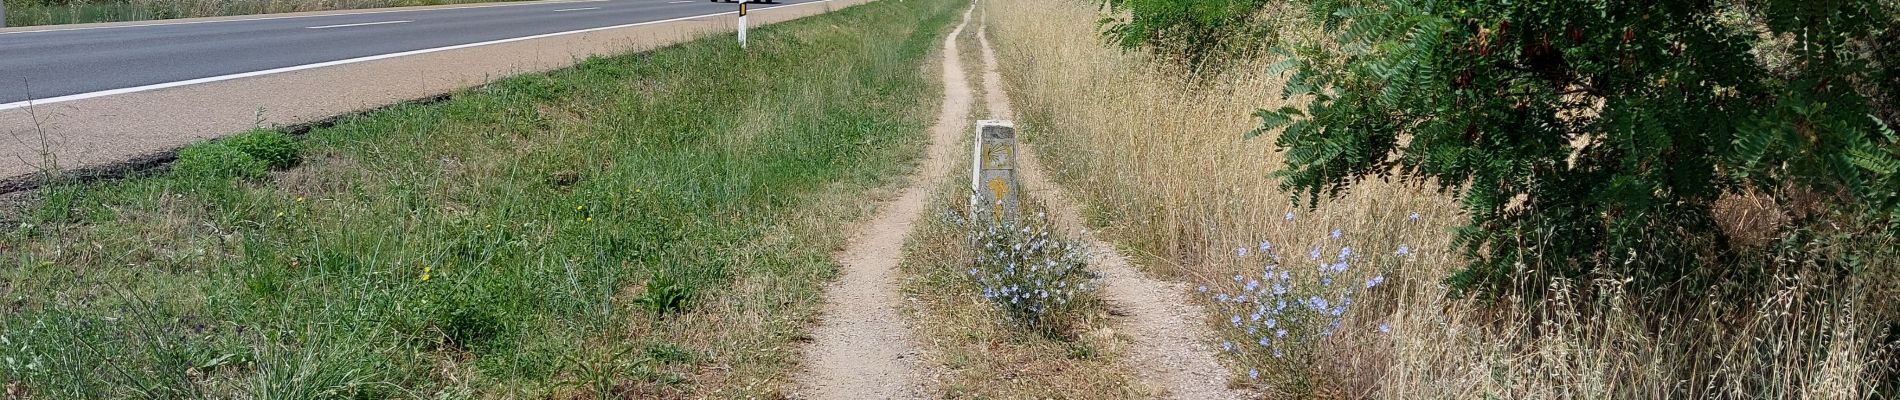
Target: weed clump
{"points": [[1280, 318], [667, 293], [248, 155], [1033, 276], [276, 149], [218, 161]]}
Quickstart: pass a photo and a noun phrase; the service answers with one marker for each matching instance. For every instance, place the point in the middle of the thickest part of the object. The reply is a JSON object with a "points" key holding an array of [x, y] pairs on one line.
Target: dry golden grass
{"points": [[1166, 171]]}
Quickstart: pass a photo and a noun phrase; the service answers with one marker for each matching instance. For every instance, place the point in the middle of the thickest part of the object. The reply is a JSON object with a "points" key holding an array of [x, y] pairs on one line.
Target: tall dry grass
{"points": [[1163, 164]]}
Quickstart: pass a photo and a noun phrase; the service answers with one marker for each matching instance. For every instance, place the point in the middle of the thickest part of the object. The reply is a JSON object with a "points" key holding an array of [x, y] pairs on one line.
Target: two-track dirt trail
{"points": [[861, 348], [1170, 349]]}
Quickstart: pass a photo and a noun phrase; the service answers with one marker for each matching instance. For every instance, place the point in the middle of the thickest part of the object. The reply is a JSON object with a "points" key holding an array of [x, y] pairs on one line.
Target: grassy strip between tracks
{"points": [[648, 225]]}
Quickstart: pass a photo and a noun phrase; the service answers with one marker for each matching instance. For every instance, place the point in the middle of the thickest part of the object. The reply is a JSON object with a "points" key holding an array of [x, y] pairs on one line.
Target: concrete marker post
{"points": [[993, 174], [742, 23]]}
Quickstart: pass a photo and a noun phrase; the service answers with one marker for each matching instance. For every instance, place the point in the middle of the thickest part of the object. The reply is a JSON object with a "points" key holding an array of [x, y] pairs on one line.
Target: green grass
{"points": [[653, 224]]}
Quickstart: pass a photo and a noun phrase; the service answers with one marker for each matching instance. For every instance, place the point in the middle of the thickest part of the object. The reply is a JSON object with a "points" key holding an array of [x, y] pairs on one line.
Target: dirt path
{"points": [[861, 348], [1170, 350]]}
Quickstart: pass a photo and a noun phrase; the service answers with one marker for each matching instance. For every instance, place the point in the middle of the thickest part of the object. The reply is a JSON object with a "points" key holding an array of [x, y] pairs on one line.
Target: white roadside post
{"points": [[993, 174], [742, 24]]}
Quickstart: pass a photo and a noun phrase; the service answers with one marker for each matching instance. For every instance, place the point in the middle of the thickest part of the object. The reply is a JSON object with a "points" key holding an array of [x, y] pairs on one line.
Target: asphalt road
{"points": [[57, 62]]}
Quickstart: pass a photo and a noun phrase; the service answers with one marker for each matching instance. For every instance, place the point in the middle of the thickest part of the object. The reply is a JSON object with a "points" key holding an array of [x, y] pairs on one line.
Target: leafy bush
{"points": [[274, 148], [218, 161], [1036, 279], [1582, 134], [1591, 135], [1199, 33]]}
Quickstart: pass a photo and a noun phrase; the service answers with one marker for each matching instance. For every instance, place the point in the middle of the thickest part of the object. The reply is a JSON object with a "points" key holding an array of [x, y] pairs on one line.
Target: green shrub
{"points": [[1200, 33], [218, 161], [1585, 135], [274, 148]]}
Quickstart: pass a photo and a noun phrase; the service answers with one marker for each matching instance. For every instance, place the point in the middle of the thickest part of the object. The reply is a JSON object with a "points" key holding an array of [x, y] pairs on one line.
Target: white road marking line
{"points": [[361, 24], [136, 89], [577, 9], [88, 28]]}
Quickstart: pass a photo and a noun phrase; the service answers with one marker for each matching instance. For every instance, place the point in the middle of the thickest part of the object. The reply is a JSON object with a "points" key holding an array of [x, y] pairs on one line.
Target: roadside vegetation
{"points": [[646, 225], [1407, 213], [985, 345], [1010, 308], [56, 12]]}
